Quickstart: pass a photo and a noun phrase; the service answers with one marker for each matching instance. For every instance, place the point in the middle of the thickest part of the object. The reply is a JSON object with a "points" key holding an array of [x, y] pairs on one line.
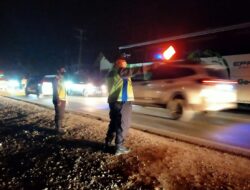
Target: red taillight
{"points": [[219, 82], [215, 81]]}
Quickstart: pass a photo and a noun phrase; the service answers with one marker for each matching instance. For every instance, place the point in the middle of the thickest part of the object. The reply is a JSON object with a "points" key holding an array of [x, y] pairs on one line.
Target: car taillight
{"points": [[216, 81], [219, 84]]}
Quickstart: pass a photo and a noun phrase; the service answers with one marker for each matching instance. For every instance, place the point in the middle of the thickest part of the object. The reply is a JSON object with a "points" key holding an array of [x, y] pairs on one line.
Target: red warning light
{"points": [[168, 53]]}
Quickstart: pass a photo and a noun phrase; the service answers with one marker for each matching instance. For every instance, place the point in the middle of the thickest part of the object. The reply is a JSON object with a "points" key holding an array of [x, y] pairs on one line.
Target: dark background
{"points": [[40, 35]]}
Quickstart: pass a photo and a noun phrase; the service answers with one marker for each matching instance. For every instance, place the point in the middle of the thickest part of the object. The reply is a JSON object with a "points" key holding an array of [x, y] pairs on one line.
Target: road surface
{"points": [[227, 131]]}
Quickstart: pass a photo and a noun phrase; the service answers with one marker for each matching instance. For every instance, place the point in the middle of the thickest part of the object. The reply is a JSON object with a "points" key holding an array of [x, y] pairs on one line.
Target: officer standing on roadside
{"points": [[59, 98], [120, 103]]}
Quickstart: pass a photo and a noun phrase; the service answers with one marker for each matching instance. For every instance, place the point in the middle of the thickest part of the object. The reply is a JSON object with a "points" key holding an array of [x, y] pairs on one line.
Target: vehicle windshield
{"points": [[35, 79]]}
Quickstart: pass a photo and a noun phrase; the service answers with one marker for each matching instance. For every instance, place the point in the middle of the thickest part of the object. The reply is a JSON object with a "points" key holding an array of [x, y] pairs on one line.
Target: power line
{"points": [[189, 35], [81, 37]]}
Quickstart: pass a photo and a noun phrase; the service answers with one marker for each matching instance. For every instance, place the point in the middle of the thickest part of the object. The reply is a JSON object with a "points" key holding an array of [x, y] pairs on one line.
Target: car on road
{"points": [[33, 86], [185, 88], [9, 83], [87, 87], [40, 85]]}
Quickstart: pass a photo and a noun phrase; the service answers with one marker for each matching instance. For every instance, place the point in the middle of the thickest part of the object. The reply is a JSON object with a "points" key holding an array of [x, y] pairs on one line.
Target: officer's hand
{"points": [[59, 103]]}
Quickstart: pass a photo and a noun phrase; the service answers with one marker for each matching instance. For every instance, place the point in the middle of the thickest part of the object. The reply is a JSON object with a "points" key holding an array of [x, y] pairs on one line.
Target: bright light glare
{"points": [[77, 87], [68, 84], [90, 85], [168, 53], [47, 88], [104, 89], [90, 88], [225, 87], [214, 96], [13, 84], [3, 85], [158, 56]]}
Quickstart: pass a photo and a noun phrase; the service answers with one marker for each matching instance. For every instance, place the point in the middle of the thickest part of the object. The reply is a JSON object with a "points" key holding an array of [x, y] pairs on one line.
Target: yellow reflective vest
{"points": [[120, 88], [59, 89]]}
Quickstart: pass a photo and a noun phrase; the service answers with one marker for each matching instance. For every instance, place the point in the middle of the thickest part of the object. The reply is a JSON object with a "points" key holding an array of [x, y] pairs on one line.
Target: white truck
{"points": [[237, 67]]}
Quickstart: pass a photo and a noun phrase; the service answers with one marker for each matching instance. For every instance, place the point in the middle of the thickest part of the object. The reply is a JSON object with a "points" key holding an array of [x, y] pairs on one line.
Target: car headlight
{"points": [[13, 83]]}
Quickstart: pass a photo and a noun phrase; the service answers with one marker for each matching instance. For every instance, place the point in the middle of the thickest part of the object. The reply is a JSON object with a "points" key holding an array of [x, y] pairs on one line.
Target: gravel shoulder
{"points": [[33, 156]]}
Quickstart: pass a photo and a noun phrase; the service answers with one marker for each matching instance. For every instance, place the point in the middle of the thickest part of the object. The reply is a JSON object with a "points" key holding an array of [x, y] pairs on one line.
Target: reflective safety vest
{"points": [[120, 89], [59, 90], [62, 94]]}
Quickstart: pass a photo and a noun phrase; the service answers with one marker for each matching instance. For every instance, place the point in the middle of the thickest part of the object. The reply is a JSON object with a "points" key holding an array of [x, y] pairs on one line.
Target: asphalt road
{"points": [[227, 131]]}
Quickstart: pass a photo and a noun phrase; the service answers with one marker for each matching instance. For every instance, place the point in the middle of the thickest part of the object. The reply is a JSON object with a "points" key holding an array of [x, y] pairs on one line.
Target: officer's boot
{"points": [[107, 144]]}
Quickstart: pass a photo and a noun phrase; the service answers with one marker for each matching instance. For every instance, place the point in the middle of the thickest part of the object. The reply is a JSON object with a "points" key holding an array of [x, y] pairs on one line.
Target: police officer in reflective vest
{"points": [[59, 98], [119, 99]]}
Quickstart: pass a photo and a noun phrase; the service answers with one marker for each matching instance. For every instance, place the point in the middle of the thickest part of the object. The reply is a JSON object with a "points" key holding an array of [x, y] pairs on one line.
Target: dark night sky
{"points": [[43, 33]]}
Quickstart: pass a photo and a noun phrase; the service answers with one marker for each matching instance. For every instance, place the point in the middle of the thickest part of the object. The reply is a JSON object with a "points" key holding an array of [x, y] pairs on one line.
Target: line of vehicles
{"points": [[183, 87], [43, 86], [8, 84]]}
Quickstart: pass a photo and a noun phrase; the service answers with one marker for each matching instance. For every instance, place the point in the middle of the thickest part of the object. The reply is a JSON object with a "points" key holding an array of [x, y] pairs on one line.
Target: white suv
{"points": [[185, 88]]}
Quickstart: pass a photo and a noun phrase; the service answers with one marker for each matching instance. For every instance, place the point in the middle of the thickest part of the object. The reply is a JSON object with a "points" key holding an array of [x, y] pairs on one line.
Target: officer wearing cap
{"points": [[59, 98], [120, 103]]}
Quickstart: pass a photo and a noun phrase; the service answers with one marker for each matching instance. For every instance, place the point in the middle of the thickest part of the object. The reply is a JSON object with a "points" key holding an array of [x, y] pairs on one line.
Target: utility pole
{"points": [[81, 37]]}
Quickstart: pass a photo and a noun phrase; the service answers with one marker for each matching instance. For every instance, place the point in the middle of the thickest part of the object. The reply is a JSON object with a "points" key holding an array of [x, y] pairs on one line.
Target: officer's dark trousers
{"points": [[120, 119], [59, 114]]}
